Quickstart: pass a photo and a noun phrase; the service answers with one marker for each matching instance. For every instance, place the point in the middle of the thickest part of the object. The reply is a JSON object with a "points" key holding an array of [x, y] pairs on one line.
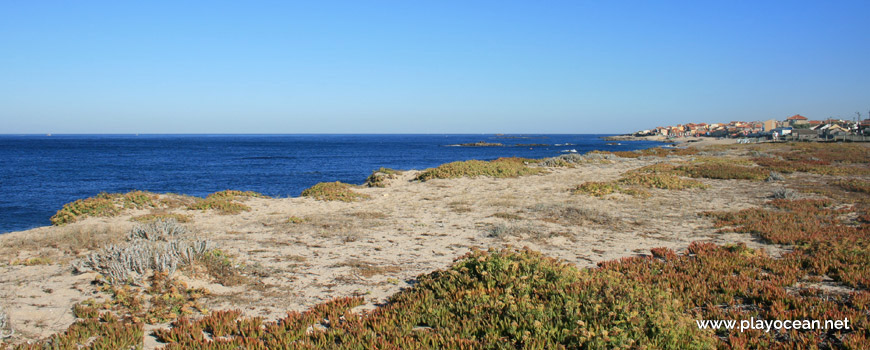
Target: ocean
{"points": [[39, 174]]}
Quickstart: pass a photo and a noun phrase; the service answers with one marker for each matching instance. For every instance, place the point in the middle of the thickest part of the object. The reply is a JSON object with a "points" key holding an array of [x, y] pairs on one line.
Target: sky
{"points": [[426, 66]]}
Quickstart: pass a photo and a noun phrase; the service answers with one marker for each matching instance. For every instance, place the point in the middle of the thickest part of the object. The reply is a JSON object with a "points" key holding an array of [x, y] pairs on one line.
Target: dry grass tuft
{"points": [[507, 216], [222, 268], [368, 269], [370, 215], [32, 261], [566, 214], [154, 216], [68, 240]]}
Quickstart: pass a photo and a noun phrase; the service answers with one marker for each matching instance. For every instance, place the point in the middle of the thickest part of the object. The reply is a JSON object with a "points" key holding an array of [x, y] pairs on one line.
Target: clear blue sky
{"points": [[425, 66]]}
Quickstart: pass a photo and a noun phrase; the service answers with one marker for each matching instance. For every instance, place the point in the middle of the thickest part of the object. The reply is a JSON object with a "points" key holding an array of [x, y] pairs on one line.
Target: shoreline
{"points": [[304, 251], [450, 228], [284, 167]]}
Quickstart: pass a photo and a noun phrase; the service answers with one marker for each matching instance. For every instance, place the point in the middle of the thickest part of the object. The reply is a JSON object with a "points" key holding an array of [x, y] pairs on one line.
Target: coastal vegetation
{"points": [[651, 152], [809, 259], [161, 246], [151, 217], [498, 168], [660, 176], [334, 191], [379, 177], [103, 204], [596, 188], [724, 171], [112, 204], [486, 300], [227, 202], [222, 205]]}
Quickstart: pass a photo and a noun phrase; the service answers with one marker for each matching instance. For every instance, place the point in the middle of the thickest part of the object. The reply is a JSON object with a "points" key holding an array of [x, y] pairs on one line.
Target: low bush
{"points": [[295, 220], [596, 188], [567, 214], [334, 191], [660, 181], [724, 171], [659, 175], [499, 168], [379, 177], [222, 205], [221, 267], [564, 161], [103, 205], [845, 153], [102, 331], [6, 329], [158, 246], [827, 159], [652, 152], [854, 185], [513, 230], [235, 194], [225, 202], [775, 176], [486, 300], [783, 193], [112, 204]]}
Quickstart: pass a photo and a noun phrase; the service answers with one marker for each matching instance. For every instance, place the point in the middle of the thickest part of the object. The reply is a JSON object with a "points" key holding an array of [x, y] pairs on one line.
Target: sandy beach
{"points": [[697, 142]]}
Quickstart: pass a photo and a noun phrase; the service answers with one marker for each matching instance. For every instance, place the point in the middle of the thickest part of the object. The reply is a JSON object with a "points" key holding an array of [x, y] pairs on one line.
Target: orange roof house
{"points": [[795, 120]]}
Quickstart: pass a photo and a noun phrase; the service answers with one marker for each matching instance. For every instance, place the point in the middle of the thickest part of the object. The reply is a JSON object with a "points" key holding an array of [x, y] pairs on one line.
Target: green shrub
{"points": [[225, 202], [295, 220], [652, 152], [661, 181], [222, 205], [379, 177], [103, 205], [854, 185], [499, 168], [487, 300], [334, 191], [235, 194], [724, 171]]}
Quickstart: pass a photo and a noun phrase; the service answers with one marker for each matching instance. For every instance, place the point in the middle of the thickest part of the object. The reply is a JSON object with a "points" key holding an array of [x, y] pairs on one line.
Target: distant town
{"points": [[796, 127]]}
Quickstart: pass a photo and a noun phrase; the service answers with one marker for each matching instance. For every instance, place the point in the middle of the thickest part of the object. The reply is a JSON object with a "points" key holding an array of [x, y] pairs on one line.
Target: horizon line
{"points": [[311, 133]]}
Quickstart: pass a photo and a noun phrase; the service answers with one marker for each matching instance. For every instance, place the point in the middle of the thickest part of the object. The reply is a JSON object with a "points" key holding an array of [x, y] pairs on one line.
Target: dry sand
{"points": [[698, 142], [376, 247]]}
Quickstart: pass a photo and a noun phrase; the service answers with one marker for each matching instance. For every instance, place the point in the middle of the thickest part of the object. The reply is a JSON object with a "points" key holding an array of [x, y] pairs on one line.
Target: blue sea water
{"points": [[39, 174]]}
